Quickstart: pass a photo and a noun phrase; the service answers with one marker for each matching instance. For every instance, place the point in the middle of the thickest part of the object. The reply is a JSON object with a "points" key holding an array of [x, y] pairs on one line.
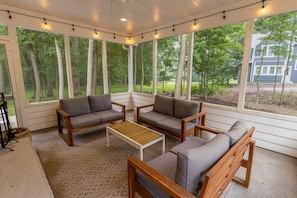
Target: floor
{"points": [[273, 175]]}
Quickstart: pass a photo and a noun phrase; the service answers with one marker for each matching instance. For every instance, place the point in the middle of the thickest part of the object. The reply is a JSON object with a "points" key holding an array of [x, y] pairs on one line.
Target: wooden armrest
{"points": [[145, 106], [63, 113], [119, 104], [155, 176], [123, 108], [138, 110], [193, 117], [211, 130]]}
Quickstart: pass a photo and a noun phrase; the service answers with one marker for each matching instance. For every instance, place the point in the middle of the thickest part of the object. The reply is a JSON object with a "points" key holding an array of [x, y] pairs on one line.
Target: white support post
{"points": [[90, 67], [68, 66], [130, 69], [104, 67], [155, 60], [245, 64]]}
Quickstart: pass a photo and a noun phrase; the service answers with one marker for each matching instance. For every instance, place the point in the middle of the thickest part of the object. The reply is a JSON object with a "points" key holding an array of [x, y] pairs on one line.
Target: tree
{"points": [[217, 56], [117, 60], [142, 66], [60, 68], [180, 69], [167, 59]]}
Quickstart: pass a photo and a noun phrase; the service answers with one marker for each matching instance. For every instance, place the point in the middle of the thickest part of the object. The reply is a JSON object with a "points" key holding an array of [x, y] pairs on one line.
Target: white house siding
{"points": [[40, 115], [273, 132]]}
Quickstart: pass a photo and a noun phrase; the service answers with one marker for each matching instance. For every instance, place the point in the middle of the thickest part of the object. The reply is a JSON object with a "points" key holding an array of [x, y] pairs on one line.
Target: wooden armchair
{"points": [[215, 181]]}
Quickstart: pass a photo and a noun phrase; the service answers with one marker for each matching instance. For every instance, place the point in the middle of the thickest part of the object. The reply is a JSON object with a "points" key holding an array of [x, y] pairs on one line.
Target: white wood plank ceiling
{"points": [[141, 15]]}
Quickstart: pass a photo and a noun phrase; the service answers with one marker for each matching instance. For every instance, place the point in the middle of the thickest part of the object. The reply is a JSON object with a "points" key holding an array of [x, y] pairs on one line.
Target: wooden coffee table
{"points": [[136, 135]]}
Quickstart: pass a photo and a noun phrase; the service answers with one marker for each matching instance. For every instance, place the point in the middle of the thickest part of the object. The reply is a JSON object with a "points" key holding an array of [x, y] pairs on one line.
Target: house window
{"points": [[43, 65], [272, 70], [264, 70], [267, 50], [279, 69], [258, 70]]}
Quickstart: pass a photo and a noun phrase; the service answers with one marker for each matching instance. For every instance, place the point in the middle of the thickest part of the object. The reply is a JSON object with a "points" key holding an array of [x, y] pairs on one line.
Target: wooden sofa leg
{"points": [[67, 138], [70, 139], [248, 165]]}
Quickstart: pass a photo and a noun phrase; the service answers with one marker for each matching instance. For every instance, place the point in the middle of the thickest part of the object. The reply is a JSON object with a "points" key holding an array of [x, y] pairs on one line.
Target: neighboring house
{"points": [[272, 66]]}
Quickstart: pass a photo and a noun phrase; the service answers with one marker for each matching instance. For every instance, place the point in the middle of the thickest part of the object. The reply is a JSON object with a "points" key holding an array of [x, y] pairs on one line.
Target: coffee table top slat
{"points": [[136, 132]]}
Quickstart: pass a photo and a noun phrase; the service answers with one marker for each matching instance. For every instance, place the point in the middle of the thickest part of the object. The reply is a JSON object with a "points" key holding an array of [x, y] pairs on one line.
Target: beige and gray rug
{"points": [[89, 168]]}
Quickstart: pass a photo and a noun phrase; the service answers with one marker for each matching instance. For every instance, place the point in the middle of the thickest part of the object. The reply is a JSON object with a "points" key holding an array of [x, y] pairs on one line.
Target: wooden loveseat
{"points": [[170, 115], [196, 167], [77, 114]]}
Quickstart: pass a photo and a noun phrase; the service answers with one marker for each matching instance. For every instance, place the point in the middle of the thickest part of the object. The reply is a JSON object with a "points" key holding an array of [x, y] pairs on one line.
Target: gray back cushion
{"points": [[193, 164], [163, 104], [75, 106], [100, 102], [237, 130], [184, 108]]}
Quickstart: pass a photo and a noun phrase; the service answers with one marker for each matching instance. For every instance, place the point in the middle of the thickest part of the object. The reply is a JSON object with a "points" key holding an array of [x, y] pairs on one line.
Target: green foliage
{"points": [[217, 56], [143, 57], [168, 50], [41, 45], [117, 61], [3, 29]]}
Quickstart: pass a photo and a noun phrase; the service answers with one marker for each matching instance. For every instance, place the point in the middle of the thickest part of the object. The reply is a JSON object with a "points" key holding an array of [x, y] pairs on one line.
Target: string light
{"points": [[96, 33], [224, 14], [156, 33], [9, 15], [263, 10], [195, 24], [45, 23]]}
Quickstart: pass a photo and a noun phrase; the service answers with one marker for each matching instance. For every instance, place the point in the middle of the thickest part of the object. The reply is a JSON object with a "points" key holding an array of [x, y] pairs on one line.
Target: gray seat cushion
{"points": [[84, 120], [100, 102], [109, 115], [183, 108], [237, 130], [191, 142], [193, 164], [165, 164], [163, 104], [152, 117], [174, 124], [75, 106]]}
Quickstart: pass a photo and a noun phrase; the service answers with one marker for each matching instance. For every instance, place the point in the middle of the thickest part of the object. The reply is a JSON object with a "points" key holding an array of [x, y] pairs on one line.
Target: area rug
{"points": [[89, 168]]}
